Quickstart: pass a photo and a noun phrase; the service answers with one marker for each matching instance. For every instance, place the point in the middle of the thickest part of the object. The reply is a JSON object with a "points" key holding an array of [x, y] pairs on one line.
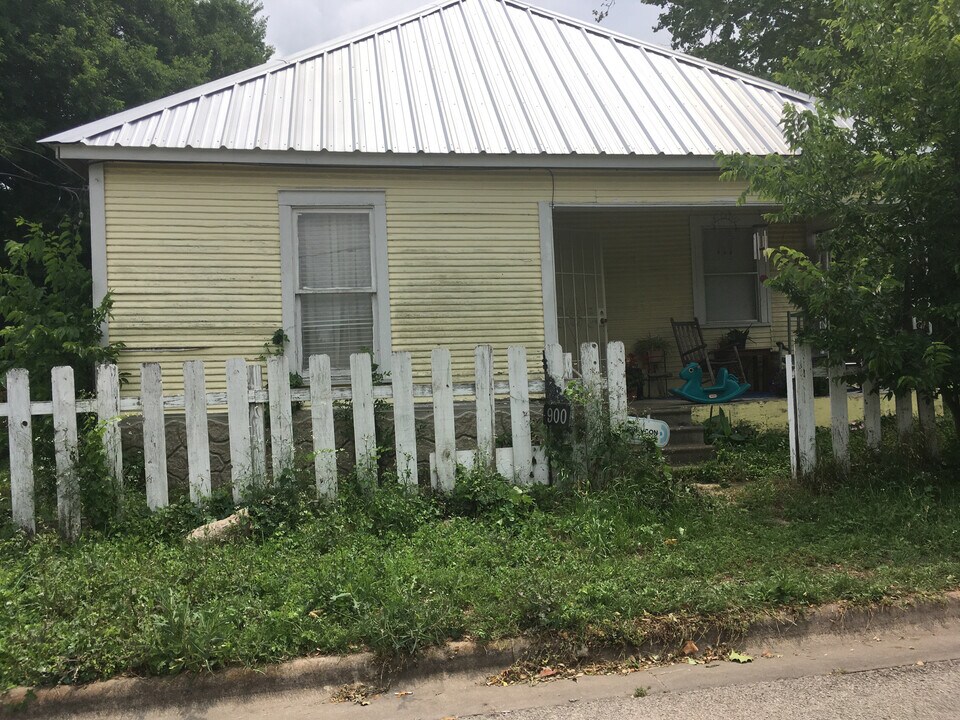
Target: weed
{"points": [[641, 692]]}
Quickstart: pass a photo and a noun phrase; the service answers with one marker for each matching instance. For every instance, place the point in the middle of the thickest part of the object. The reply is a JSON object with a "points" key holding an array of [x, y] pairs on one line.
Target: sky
{"points": [[294, 25]]}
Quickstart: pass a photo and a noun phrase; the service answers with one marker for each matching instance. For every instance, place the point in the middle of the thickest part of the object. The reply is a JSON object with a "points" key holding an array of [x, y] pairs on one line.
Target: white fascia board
{"points": [[327, 159]]}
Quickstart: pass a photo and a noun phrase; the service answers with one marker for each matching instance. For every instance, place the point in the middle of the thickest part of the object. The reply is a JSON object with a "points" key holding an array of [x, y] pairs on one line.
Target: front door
{"points": [[581, 297]]}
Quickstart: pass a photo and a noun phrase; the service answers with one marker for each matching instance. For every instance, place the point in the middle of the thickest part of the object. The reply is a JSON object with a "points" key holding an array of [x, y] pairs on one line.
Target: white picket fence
{"points": [[802, 421], [245, 398]]}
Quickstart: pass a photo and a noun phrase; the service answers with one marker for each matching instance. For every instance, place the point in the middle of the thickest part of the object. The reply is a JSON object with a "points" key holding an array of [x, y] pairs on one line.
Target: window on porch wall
{"points": [[728, 268]]}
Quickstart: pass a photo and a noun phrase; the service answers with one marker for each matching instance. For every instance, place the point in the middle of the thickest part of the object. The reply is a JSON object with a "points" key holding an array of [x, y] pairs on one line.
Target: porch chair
{"points": [[692, 348]]}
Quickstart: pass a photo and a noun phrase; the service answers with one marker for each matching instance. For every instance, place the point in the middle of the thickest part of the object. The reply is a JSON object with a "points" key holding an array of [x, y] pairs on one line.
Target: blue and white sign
{"points": [[645, 427]]}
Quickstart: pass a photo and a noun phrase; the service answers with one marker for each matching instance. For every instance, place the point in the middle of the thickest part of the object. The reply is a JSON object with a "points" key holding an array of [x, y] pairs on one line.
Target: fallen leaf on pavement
{"points": [[404, 693], [739, 657], [690, 648], [546, 672]]}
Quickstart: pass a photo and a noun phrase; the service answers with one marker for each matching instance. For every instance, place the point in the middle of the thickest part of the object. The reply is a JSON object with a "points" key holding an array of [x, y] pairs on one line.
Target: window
{"points": [[334, 277], [727, 266]]}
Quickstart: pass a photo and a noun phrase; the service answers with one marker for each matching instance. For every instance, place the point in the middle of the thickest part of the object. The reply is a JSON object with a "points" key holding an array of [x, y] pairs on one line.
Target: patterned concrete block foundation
{"points": [[176, 441]]}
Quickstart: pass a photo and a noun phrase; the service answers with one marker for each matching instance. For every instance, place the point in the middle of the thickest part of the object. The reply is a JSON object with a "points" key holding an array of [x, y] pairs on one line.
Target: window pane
{"points": [[334, 250], [336, 325], [728, 250], [731, 298]]}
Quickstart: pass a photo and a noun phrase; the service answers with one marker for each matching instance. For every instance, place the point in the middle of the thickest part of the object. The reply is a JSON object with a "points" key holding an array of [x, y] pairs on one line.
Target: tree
{"points": [[754, 36], [45, 298], [878, 161], [66, 62]]}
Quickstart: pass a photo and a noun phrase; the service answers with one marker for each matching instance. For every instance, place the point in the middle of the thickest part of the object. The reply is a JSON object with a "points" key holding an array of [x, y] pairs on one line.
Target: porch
{"points": [[622, 273]]}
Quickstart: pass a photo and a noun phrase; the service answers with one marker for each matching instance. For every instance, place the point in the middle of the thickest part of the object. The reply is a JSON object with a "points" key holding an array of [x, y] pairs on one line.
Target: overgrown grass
{"points": [[394, 572]]}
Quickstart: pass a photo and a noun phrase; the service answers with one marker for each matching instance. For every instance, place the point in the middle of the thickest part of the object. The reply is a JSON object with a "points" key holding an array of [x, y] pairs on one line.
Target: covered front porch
{"points": [[624, 273]]}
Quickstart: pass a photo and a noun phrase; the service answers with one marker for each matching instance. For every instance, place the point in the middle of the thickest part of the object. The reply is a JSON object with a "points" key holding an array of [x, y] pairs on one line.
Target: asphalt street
{"points": [[928, 692]]}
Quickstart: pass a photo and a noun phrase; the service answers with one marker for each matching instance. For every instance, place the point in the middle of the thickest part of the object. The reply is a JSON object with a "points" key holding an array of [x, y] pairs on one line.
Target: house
{"points": [[480, 171]]}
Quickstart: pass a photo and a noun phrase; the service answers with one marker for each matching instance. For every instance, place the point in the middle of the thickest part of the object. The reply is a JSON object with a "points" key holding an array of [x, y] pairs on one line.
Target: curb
{"points": [[139, 694]]}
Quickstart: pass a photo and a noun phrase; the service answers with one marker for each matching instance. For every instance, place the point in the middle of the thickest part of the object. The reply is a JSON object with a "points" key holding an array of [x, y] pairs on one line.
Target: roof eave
{"points": [[92, 153]]}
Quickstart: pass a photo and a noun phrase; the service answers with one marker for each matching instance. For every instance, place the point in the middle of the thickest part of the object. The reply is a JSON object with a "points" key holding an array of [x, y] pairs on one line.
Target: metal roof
{"points": [[468, 77]]}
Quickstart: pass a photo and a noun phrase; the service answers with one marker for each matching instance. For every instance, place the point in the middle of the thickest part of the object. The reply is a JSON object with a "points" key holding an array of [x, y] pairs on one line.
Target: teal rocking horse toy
{"points": [[728, 387]]}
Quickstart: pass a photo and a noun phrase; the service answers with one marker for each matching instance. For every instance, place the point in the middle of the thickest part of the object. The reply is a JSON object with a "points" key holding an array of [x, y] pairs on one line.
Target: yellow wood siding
{"points": [[193, 255]]}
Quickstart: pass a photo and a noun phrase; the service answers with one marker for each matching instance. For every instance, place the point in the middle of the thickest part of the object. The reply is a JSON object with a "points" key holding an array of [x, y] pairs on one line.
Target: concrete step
{"points": [[688, 455], [686, 436]]}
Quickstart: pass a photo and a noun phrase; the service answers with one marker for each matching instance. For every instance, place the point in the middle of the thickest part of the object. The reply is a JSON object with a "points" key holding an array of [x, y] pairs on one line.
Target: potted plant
{"points": [[735, 338], [650, 350]]}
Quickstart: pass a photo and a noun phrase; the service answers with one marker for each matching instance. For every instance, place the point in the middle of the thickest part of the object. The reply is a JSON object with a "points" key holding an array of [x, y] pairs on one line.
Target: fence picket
{"points": [[927, 415], [806, 419], [445, 439], [555, 370], [486, 406], [617, 384], [904, 406], [20, 433], [108, 414], [238, 424], [404, 420], [364, 422], [154, 435], [258, 436], [839, 417], [321, 416], [281, 414], [871, 415], [65, 451], [568, 366], [198, 438], [520, 415]]}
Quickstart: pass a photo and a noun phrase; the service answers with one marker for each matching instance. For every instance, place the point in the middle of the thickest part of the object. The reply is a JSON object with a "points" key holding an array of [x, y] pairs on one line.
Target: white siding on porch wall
{"points": [[193, 254]]}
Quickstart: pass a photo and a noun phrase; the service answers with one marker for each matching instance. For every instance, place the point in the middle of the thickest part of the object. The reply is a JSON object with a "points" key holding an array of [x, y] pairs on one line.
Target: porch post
{"points": [[548, 275]]}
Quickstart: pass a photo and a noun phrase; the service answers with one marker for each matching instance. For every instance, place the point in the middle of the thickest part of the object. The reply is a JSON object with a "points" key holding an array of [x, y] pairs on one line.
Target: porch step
{"points": [[686, 437], [688, 455]]}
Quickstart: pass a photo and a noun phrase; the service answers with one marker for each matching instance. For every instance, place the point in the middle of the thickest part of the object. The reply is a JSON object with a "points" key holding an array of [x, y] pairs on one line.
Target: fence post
{"points": [[238, 424], [20, 432], [617, 384], [806, 418], [839, 417], [486, 407], [404, 419], [445, 438], [65, 451], [364, 422], [520, 415], [871, 414], [108, 413], [791, 415], [904, 405], [281, 414], [154, 435], [258, 436], [198, 438], [927, 414], [321, 416]]}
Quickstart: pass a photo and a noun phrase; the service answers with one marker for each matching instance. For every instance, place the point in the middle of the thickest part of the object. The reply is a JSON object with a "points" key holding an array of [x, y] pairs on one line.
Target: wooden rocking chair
{"points": [[692, 348]]}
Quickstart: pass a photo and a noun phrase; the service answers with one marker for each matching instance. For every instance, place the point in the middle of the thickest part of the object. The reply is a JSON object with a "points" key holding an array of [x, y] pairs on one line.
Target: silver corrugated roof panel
{"points": [[467, 77]]}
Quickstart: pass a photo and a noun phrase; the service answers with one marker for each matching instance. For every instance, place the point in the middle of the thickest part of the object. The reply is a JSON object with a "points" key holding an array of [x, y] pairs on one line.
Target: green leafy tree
{"points": [[755, 36], [886, 181], [46, 298], [66, 62]]}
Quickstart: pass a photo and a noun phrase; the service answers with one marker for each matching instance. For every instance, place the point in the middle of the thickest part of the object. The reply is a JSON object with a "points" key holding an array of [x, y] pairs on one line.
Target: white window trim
{"points": [[697, 225], [294, 201]]}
